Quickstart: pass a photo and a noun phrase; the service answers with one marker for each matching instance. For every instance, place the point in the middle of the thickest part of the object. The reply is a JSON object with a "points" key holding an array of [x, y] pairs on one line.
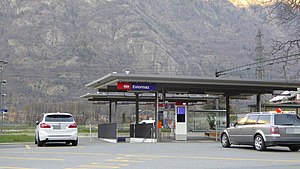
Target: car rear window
{"points": [[287, 119], [59, 118]]}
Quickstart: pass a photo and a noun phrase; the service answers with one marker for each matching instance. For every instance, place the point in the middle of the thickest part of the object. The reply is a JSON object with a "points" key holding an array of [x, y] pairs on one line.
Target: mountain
{"points": [[249, 3], [55, 47]]}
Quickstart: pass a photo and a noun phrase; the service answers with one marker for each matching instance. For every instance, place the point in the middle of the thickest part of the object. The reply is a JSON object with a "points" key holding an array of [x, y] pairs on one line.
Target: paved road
{"points": [[166, 155]]}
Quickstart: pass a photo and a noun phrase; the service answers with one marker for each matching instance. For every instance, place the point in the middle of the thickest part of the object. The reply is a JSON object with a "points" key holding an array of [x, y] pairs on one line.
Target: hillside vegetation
{"points": [[55, 47]]}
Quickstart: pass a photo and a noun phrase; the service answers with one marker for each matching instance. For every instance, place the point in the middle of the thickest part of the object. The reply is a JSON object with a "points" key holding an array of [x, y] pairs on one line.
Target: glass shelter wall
{"points": [[206, 120]]}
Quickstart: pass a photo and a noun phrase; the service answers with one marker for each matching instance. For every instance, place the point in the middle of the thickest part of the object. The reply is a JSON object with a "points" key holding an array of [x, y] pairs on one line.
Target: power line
{"points": [[259, 64]]}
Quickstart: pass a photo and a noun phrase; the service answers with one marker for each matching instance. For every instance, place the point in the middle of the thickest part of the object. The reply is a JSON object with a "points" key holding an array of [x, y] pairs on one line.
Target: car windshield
{"points": [[59, 118], [287, 119]]}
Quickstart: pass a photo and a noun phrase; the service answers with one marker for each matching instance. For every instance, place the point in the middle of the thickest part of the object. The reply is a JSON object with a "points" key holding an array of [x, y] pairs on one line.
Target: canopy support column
{"points": [[116, 112], [110, 109], [156, 116], [258, 103], [227, 111], [137, 109]]}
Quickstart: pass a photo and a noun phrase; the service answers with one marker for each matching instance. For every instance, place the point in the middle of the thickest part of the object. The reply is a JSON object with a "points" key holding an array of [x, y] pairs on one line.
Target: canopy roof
{"points": [[195, 85]]}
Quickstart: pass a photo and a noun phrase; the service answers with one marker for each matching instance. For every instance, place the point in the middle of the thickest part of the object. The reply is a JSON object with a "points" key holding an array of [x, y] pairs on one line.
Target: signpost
{"points": [[1, 85], [136, 86], [181, 121]]}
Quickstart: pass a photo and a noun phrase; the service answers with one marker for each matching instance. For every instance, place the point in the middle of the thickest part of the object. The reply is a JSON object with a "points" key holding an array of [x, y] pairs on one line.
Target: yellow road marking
{"points": [[242, 159], [98, 166], [123, 164], [59, 153], [7, 167], [39, 159], [125, 158], [118, 164], [213, 158], [139, 158], [122, 157], [111, 164], [62, 147], [129, 161], [27, 146]]}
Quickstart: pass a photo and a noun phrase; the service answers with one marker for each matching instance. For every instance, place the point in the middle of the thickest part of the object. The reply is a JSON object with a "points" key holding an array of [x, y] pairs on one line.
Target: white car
{"points": [[147, 122], [56, 127]]}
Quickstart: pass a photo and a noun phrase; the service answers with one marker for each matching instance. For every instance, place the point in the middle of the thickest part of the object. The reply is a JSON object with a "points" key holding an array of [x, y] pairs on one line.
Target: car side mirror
{"points": [[37, 122], [235, 124]]}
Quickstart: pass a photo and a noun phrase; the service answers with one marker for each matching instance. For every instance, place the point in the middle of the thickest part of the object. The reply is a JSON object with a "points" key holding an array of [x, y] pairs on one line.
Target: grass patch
{"points": [[83, 129], [11, 138]]}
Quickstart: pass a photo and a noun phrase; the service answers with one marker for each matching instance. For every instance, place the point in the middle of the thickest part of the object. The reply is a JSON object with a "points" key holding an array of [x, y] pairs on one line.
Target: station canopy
{"points": [[187, 85]]}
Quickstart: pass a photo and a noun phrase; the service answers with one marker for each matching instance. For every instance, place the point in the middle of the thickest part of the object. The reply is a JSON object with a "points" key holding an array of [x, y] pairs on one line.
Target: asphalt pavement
{"points": [[93, 153]]}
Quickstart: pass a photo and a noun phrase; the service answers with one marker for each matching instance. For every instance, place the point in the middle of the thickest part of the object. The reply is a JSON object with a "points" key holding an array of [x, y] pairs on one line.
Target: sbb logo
{"points": [[124, 86]]}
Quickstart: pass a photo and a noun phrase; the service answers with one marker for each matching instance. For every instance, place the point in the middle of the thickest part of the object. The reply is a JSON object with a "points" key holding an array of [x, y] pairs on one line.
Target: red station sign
{"points": [[124, 86]]}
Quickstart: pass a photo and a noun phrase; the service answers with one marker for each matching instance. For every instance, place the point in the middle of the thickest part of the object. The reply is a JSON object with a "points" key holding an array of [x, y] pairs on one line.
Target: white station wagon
{"points": [[264, 129], [56, 127]]}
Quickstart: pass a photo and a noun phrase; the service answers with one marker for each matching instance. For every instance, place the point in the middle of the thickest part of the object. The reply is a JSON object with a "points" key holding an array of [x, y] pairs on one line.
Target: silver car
{"points": [[264, 129]]}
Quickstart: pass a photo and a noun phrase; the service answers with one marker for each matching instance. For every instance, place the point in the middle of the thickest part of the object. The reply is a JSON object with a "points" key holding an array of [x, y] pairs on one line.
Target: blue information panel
{"points": [[4, 110], [181, 114], [181, 110]]}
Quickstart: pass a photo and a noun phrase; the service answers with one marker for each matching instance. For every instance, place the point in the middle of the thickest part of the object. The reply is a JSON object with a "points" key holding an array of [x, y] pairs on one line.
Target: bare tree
{"points": [[286, 14]]}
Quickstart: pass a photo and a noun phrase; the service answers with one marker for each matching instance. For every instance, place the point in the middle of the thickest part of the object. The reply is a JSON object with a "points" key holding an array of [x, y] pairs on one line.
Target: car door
{"points": [[247, 132], [263, 124], [235, 131]]}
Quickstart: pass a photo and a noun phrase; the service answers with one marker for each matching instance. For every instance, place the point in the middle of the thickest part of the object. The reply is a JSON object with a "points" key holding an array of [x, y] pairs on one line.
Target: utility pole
{"points": [[260, 71], [2, 63], [260, 60]]}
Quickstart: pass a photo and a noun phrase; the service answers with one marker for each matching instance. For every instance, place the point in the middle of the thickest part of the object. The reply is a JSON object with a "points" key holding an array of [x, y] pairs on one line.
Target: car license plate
{"points": [[56, 127], [292, 131]]}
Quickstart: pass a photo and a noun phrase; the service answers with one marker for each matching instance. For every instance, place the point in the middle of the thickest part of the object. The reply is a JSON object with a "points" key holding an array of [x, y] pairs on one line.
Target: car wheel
{"points": [[259, 143], [39, 143], [75, 143], [294, 147], [225, 140]]}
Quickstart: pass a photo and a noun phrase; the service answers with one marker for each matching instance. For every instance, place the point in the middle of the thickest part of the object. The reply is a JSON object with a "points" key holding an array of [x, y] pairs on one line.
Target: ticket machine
{"points": [[180, 121]]}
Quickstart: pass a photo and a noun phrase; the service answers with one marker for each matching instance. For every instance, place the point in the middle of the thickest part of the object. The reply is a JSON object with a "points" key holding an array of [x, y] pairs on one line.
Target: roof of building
{"points": [[195, 85]]}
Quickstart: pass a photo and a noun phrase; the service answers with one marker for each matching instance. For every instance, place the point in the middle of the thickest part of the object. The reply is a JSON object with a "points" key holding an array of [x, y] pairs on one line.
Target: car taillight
{"points": [[44, 125], [274, 130], [74, 125]]}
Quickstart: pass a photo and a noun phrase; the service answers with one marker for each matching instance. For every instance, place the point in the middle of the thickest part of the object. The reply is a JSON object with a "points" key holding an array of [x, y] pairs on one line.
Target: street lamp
{"points": [[2, 63]]}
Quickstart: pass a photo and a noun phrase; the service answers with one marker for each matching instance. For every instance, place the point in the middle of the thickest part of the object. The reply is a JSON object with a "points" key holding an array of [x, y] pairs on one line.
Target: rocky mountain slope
{"points": [[55, 47]]}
